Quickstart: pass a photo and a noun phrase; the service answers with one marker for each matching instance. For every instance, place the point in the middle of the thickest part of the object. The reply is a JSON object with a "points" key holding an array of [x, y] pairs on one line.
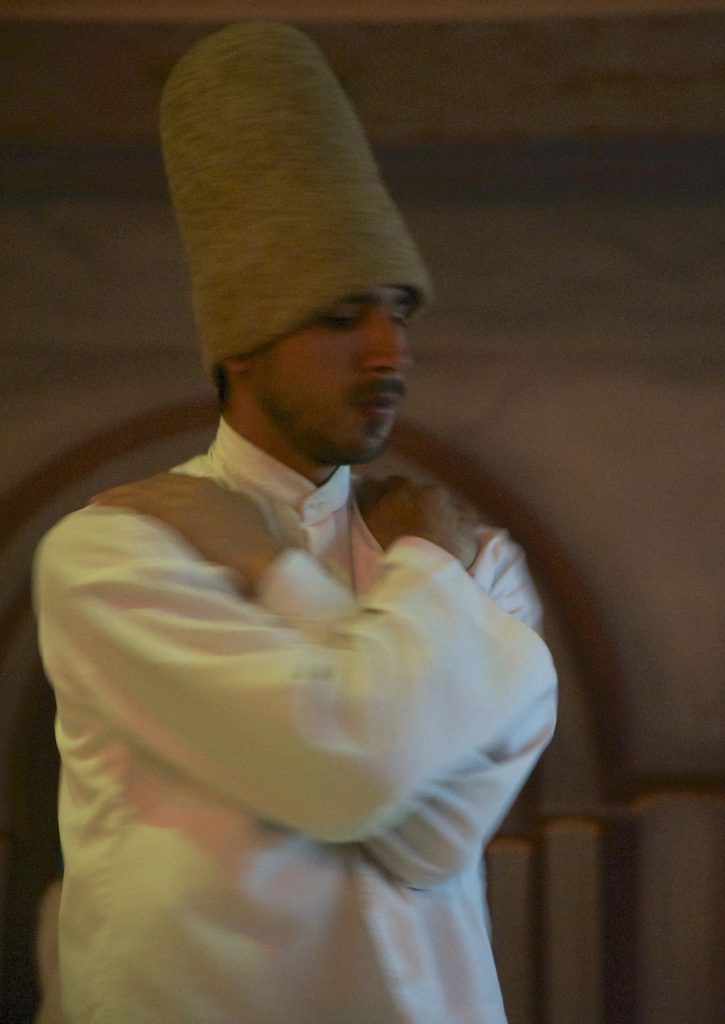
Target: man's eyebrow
{"points": [[360, 298], [402, 301]]}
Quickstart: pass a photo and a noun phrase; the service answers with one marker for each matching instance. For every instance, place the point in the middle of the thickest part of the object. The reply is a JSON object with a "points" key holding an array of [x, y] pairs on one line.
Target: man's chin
{"points": [[373, 450], [361, 449]]}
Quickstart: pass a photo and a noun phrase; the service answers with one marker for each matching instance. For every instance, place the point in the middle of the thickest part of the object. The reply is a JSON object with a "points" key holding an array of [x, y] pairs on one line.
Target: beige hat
{"points": [[279, 201]]}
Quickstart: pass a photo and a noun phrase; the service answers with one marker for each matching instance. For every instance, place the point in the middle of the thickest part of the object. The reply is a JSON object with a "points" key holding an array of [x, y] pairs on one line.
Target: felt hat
{"points": [[279, 202]]}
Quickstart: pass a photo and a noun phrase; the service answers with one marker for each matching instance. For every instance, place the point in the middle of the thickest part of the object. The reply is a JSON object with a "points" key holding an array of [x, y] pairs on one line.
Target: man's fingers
{"points": [[161, 490], [111, 496]]}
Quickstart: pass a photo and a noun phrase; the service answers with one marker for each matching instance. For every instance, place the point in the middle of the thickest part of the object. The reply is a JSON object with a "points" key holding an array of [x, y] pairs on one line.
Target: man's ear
{"points": [[237, 364], [228, 376]]}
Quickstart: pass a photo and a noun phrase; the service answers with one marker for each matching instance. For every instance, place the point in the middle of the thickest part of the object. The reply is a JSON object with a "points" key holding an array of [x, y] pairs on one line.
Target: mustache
{"points": [[371, 391]]}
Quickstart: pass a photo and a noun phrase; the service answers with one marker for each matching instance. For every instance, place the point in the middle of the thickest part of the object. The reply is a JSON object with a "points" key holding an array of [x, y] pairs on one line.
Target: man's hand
{"points": [[225, 527], [399, 507]]}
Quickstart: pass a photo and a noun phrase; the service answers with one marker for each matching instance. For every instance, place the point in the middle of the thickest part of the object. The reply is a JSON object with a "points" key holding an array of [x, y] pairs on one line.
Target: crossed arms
{"points": [[406, 721]]}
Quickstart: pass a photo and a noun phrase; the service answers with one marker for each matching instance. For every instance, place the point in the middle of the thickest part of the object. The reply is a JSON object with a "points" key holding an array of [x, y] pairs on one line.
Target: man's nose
{"points": [[386, 343]]}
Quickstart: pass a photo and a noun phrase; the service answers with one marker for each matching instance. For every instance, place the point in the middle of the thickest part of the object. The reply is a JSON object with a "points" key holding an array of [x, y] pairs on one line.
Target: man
{"points": [[292, 707]]}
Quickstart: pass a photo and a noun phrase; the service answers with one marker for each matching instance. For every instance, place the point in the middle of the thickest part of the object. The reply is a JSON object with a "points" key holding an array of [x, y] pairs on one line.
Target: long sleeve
{"points": [[331, 734], [451, 819], [447, 823]]}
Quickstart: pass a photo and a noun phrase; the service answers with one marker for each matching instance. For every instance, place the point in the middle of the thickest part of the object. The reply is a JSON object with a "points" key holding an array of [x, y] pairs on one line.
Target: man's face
{"points": [[328, 394]]}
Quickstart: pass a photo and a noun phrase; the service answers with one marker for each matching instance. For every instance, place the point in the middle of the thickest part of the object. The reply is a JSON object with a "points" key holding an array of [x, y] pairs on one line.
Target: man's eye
{"points": [[339, 319]]}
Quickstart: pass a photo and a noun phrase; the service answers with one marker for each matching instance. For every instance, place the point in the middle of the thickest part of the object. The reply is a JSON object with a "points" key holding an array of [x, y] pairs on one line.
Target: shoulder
{"points": [[105, 532], [103, 557], [101, 536], [502, 572]]}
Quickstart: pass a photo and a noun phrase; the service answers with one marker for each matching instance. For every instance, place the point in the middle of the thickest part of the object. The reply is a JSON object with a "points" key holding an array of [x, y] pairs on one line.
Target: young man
{"points": [[292, 708]]}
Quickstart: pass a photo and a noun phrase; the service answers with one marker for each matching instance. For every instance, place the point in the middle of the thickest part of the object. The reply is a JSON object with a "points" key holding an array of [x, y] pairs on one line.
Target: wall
{"points": [[575, 351]]}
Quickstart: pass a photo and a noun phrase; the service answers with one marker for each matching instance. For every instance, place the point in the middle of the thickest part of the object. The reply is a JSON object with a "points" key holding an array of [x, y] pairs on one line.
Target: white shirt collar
{"points": [[243, 464]]}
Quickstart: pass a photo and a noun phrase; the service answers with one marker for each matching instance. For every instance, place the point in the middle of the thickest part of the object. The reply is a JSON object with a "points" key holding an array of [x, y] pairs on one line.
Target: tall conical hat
{"points": [[278, 198]]}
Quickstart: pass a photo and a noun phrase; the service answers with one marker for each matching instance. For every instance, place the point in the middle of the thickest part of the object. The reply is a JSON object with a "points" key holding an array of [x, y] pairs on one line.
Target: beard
{"points": [[319, 441]]}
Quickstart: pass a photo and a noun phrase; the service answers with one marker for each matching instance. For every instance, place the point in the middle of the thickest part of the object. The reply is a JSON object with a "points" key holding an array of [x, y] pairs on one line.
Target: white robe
{"points": [[274, 812]]}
